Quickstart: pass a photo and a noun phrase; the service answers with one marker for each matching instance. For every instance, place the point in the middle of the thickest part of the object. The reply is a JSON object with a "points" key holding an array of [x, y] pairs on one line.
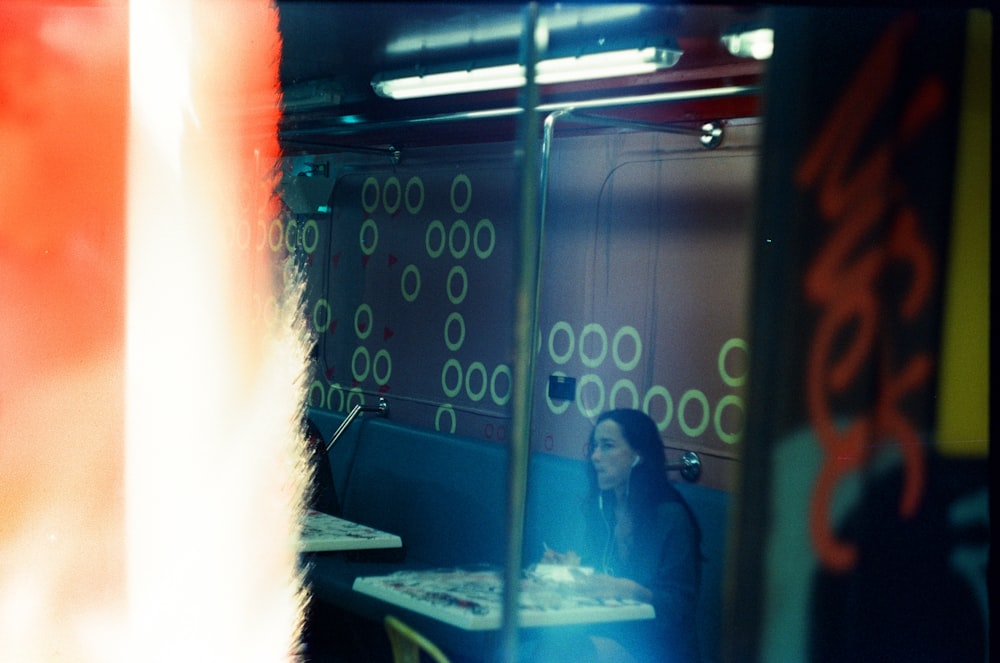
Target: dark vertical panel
{"points": [[846, 545]]}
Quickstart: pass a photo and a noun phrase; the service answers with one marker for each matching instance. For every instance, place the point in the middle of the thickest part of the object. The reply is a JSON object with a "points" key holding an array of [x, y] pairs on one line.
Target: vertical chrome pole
{"points": [[526, 297]]}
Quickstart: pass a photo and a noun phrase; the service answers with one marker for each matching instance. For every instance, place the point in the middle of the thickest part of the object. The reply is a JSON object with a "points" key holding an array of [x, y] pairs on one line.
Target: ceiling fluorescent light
{"points": [[752, 43], [450, 82], [592, 66], [606, 65]]}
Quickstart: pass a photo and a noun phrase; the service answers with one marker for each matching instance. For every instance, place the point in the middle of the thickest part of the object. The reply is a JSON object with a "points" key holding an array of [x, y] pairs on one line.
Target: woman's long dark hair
{"points": [[648, 484]]}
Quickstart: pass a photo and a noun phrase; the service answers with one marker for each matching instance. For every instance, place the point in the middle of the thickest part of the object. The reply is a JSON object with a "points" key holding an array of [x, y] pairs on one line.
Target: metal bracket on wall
{"points": [[709, 134], [689, 466]]}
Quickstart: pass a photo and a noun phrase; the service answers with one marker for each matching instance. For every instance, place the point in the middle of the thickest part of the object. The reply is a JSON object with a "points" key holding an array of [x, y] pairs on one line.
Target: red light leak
{"points": [[63, 112], [64, 136]]}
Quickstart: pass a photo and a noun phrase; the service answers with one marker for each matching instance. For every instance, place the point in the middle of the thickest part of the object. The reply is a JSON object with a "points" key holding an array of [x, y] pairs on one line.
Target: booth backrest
{"points": [[711, 510], [444, 495], [554, 507]]}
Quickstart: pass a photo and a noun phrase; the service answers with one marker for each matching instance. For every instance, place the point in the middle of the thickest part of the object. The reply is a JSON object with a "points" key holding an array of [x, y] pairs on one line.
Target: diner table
{"points": [[322, 532], [471, 598]]}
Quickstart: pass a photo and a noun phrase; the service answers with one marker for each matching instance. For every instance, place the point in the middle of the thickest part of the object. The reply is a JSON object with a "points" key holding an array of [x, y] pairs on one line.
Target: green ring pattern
{"points": [[483, 254], [586, 379], [457, 299], [594, 362], [477, 367], [463, 179], [723, 351], [458, 254], [634, 333], [502, 369], [448, 391], [384, 379], [369, 208], [623, 383], [414, 209], [435, 225], [360, 351], [368, 223], [658, 390], [317, 326], [367, 310], [562, 325], [407, 271], [728, 399], [689, 395], [310, 223], [394, 182], [453, 317], [451, 412]]}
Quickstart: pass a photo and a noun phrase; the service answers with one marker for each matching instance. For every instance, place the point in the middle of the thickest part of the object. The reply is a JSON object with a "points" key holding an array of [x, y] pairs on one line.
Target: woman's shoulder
{"points": [[674, 513], [672, 509]]}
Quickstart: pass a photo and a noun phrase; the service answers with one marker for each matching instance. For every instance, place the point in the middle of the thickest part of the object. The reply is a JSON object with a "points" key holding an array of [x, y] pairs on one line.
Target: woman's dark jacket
{"points": [[666, 559]]}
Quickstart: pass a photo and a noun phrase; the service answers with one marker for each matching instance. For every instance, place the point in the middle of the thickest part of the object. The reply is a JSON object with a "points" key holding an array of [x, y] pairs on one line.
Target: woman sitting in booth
{"points": [[643, 543]]}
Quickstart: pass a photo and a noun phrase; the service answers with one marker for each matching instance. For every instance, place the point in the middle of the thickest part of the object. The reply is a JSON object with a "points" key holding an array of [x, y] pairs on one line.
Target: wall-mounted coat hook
{"points": [[689, 466]]}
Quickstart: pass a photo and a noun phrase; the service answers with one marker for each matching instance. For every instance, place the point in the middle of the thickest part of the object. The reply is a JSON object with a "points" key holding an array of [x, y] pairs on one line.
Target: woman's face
{"points": [[612, 456]]}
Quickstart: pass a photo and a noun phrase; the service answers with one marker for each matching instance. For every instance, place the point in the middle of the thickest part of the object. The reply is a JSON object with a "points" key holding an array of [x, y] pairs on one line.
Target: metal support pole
{"points": [[526, 304]]}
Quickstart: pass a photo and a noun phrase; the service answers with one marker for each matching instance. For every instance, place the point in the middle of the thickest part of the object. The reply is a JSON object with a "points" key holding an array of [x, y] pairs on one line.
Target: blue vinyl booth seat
{"points": [[445, 496]]}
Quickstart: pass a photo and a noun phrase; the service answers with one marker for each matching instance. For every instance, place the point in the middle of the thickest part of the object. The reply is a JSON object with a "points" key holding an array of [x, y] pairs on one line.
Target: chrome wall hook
{"points": [[689, 466]]}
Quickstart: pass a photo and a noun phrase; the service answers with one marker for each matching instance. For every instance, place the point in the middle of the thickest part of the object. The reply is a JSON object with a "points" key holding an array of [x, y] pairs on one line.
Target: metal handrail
{"points": [[497, 113], [382, 409]]}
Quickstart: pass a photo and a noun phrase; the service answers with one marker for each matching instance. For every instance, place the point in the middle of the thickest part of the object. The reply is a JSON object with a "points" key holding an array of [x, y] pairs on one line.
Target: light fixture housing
{"points": [[750, 42], [590, 66]]}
